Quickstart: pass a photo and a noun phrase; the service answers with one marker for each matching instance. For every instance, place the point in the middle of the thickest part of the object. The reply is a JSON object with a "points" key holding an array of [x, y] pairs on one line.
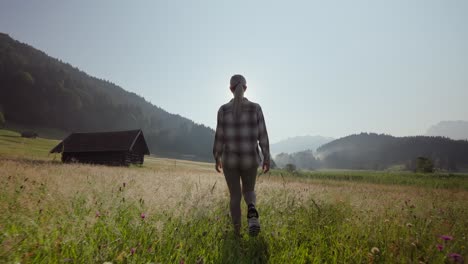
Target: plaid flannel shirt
{"points": [[235, 143]]}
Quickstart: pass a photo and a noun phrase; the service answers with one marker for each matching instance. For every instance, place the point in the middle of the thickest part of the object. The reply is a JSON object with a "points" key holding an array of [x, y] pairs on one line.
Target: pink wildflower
{"points": [[440, 247], [446, 237], [132, 251], [142, 215], [98, 214], [457, 258]]}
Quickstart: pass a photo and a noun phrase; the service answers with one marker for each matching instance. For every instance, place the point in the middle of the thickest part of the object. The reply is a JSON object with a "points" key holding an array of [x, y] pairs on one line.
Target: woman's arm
{"points": [[218, 141], [263, 139]]}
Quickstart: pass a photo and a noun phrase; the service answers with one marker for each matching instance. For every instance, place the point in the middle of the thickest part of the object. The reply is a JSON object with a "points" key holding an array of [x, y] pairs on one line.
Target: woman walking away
{"points": [[240, 128]]}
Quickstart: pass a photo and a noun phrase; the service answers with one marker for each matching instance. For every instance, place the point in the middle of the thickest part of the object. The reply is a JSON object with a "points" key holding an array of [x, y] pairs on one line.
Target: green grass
{"points": [[13, 145], [432, 180], [106, 225], [72, 213]]}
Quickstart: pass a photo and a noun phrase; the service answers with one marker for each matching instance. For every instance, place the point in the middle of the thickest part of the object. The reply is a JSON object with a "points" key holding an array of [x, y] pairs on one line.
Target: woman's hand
{"points": [[218, 166], [266, 167]]}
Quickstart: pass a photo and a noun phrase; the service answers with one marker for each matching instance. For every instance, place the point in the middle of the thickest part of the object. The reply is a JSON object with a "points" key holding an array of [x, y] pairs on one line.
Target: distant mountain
{"points": [[38, 91], [297, 144], [451, 129], [378, 151]]}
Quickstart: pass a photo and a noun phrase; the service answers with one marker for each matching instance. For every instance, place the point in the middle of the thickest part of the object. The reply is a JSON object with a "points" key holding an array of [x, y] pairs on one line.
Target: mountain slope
{"points": [[452, 129], [39, 91], [300, 143], [374, 151]]}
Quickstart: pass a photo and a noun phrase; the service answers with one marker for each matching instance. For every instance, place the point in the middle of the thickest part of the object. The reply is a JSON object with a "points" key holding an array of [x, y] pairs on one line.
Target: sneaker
{"points": [[252, 219]]}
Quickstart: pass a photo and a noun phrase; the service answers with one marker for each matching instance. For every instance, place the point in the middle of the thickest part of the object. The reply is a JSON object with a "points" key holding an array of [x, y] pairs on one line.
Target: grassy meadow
{"points": [[172, 211]]}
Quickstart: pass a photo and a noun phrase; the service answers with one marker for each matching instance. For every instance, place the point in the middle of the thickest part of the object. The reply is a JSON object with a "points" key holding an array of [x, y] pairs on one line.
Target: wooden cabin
{"points": [[119, 148]]}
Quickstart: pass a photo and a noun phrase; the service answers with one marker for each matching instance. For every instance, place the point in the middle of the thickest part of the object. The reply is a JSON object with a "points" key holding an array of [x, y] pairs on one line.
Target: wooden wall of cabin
{"points": [[115, 158], [134, 158], [140, 145]]}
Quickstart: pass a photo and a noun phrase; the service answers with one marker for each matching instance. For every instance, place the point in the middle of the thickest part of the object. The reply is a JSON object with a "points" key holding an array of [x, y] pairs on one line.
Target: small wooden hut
{"points": [[119, 148]]}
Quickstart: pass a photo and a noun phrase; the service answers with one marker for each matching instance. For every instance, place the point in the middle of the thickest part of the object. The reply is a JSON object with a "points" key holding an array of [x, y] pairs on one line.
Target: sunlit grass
{"points": [[171, 211], [92, 214], [13, 145], [433, 180]]}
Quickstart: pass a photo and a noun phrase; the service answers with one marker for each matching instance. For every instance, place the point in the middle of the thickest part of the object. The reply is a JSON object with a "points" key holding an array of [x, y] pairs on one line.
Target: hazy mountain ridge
{"points": [[379, 151], [451, 129], [37, 90], [299, 143]]}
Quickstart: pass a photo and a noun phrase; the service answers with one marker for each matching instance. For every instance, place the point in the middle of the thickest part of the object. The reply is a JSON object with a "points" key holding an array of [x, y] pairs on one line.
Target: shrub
{"points": [[424, 164], [290, 167]]}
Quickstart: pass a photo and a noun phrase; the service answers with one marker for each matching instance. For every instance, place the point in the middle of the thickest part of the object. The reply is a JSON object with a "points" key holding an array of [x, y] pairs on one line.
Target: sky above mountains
{"points": [[328, 68]]}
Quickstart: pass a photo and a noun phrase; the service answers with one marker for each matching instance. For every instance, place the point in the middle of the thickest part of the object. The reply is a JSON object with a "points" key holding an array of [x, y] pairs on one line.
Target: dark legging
{"points": [[233, 179]]}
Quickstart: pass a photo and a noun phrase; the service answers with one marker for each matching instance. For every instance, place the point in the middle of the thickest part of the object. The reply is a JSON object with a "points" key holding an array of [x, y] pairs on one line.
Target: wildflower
{"points": [[457, 258], [440, 247], [132, 251], [375, 250], [142, 215], [446, 237], [98, 214], [182, 261]]}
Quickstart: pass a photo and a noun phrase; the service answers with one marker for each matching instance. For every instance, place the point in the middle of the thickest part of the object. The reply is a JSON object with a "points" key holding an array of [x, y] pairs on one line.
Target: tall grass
{"points": [[432, 180], [55, 213], [172, 211]]}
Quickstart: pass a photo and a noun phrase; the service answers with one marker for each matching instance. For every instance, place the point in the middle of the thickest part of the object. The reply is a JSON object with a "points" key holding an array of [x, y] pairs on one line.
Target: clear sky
{"points": [[328, 68]]}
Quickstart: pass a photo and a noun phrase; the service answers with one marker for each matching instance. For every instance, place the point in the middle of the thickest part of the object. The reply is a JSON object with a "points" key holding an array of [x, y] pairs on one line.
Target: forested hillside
{"points": [[40, 91], [374, 151]]}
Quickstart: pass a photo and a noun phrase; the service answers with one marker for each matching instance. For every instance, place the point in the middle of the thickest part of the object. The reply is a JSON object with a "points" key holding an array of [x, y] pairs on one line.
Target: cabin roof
{"points": [[102, 141]]}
